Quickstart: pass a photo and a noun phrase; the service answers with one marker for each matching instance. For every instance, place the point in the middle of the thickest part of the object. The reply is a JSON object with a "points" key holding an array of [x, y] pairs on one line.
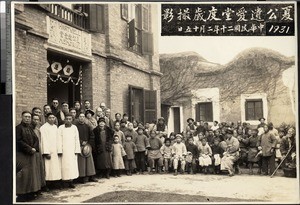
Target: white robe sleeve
{"points": [[184, 151], [44, 138], [123, 151], [59, 141], [77, 142]]}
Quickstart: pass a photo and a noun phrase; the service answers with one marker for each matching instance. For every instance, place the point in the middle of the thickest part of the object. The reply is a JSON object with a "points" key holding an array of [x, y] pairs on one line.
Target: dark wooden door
{"points": [[176, 111]]}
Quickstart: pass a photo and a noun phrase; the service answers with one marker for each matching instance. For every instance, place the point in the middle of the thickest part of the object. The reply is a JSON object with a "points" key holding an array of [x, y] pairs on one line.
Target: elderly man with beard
{"points": [[28, 160], [103, 143], [85, 160], [69, 139]]}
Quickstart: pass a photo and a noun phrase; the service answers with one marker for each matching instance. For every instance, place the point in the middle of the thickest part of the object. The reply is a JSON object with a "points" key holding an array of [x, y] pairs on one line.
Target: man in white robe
{"points": [[50, 149], [68, 133]]}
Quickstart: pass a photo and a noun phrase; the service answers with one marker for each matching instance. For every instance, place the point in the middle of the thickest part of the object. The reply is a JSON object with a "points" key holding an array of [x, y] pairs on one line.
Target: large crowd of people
{"points": [[58, 146]]}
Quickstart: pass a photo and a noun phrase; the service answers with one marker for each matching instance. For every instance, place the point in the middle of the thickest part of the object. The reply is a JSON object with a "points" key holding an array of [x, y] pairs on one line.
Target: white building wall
{"points": [[207, 95]]}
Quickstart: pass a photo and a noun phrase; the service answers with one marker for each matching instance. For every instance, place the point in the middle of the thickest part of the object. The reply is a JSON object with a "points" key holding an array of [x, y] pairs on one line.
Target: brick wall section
{"points": [[30, 72], [118, 44], [104, 80], [122, 76]]}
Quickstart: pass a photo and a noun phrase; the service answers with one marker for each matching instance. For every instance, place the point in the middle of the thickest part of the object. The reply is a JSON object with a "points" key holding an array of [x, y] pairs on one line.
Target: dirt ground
{"points": [[242, 187]]}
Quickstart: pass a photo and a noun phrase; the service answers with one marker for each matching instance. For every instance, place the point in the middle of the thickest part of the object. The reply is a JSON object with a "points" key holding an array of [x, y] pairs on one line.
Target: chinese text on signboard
{"points": [[68, 37], [228, 19]]}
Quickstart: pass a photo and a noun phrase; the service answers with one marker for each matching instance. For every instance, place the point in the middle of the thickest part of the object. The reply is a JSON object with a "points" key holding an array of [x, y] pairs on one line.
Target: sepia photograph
{"points": [[154, 102]]}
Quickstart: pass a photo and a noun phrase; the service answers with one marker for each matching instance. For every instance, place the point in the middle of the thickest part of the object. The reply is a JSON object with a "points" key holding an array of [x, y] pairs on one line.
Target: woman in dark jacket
{"points": [[28, 159], [103, 147]]}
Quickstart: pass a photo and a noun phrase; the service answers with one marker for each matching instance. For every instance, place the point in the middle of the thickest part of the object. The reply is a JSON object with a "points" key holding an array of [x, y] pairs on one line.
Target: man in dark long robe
{"points": [[85, 163], [103, 144], [28, 159]]}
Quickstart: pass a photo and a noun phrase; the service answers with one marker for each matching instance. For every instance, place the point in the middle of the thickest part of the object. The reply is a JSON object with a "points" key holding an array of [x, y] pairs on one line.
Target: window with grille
{"points": [[254, 109], [204, 111]]}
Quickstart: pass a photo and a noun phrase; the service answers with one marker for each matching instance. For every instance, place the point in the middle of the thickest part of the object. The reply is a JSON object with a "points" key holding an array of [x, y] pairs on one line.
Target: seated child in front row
{"points": [[179, 153], [205, 155], [217, 154], [166, 151], [130, 149], [192, 156], [118, 153]]}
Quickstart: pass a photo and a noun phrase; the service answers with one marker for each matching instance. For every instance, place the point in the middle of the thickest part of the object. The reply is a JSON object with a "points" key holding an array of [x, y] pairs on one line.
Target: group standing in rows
{"points": [[58, 146]]}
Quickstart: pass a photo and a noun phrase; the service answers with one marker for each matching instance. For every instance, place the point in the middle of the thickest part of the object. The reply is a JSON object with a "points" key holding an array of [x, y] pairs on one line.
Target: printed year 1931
{"points": [[279, 29]]}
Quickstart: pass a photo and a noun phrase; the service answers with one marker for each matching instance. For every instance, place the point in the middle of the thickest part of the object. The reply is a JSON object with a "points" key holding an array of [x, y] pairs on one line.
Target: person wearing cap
{"points": [[262, 122], [166, 151], [118, 153], [231, 154], [103, 146], [131, 150], [141, 142], [86, 165], [179, 153], [51, 150], [68, 137], [154, 153], [190, 126], [89, 119], [267, 144], [28, 180], [161, 127]]}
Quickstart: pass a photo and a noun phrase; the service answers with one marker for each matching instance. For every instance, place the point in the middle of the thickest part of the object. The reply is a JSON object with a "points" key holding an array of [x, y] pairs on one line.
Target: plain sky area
{"points": [[223, 49]]}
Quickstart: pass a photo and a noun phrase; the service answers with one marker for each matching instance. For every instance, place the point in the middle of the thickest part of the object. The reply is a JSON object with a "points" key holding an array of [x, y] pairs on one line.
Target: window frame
{"points": [[254, 101], [207, 118], [145, 108], [139, 27]]}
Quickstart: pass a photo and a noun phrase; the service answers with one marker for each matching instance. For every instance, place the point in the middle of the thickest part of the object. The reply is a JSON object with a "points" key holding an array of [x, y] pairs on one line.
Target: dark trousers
{"points": [[140, 161], [128, 164], [268, 164], [191, 166]]}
